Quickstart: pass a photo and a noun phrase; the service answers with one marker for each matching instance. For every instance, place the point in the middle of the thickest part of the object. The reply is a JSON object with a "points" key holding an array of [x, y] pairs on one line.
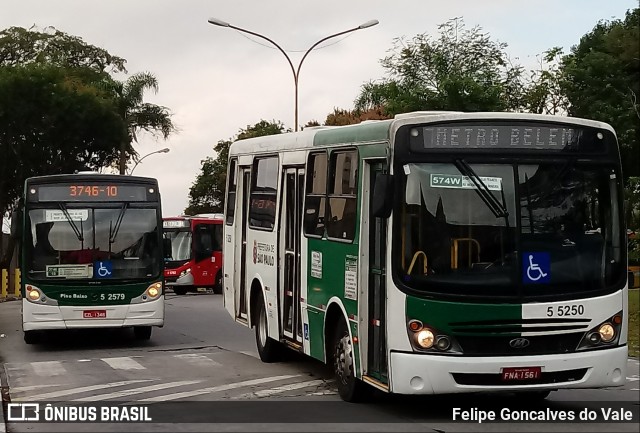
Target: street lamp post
{"points": [[165, 150], [296, 72]]}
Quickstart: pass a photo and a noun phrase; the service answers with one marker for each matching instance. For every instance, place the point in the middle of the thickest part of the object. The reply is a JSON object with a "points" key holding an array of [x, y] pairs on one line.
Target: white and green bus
{"points": [[436, 252], [92, 254]]}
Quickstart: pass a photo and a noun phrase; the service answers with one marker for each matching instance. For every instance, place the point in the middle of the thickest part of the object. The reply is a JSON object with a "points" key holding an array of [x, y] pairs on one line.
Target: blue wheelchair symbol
{"points": [[102, 269], [536, 268]]}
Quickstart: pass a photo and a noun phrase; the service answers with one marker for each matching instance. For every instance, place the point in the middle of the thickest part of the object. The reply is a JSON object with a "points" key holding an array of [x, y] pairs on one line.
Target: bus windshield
{"points": [[86, 242], [491, 229], [180, 244]]}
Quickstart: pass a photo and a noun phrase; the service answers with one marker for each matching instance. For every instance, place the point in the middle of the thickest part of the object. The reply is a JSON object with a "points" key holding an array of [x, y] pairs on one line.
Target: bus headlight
{"points": [[185, 272], [154, 290], [605, 334], [428, 339], [425, 339], [33, 293]]}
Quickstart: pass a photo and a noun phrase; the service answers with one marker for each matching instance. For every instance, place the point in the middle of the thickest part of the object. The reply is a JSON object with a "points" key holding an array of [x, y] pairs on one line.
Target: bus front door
{"points": [[241, 299], [290, 229], [377, 347]]}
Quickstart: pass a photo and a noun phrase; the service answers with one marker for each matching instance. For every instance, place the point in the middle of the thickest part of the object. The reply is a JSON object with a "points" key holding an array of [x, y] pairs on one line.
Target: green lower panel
{"points": [[316, 333]]}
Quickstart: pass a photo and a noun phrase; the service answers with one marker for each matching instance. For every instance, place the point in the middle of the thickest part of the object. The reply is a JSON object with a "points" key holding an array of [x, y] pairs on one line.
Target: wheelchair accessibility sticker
{"points": [[536, 268], [102, 269]]}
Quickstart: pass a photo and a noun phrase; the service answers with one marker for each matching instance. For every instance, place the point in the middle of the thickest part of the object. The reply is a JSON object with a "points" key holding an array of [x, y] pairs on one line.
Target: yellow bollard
{"points": [[17, 284], [5, 282]]}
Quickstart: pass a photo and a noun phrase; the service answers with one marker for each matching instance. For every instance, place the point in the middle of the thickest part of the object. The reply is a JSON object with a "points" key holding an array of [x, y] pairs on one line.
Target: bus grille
{"points": [[486, 379], [538, 345]]}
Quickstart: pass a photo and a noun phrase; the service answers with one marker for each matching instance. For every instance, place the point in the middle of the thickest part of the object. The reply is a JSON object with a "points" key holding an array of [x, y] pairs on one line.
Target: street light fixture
{"points": [[296, 72], [165, 150]]}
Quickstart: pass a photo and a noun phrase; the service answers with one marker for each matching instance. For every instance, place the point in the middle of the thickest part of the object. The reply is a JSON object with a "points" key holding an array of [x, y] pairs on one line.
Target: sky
{"points": [[216, 81]]}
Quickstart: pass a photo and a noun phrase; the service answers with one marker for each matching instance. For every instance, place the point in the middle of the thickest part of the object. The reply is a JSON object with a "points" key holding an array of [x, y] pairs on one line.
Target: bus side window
{"points": [[316, 195], [343, 195]]}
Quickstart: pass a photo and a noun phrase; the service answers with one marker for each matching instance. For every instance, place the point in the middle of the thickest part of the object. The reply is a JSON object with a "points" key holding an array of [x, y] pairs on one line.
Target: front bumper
{"points": [[423, 374], [42, 317]]}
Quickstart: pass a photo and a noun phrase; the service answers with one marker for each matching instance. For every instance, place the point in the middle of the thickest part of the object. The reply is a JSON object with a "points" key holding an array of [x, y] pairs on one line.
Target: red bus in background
{"points": [[196, 252]]}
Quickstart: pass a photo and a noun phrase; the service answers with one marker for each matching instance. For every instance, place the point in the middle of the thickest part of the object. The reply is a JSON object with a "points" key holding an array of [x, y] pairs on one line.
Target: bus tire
{"points": [[31, 337], [179, 291], [350, 388], [142, 332], [268, 348], [217, 288]]}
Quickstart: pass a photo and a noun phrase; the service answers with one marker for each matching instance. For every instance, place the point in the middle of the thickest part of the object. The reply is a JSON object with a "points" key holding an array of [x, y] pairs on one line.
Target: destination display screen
{"points": [[507, 136], [92, 192]]}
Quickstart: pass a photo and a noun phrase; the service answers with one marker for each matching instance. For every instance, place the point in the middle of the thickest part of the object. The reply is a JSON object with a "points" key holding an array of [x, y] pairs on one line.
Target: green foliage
{"points": [[461, 70], [544, 93], [206, 194], [137, 114], [602, 82], [50, 124], [19, 47]]}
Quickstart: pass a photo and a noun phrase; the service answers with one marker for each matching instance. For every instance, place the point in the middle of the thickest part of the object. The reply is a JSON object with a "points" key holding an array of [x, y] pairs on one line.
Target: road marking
{"points": [[279, 389], [123, 363], [128, 392], [29, 388], [48, 368], [219, 388], [82, 389], [198, 360]]}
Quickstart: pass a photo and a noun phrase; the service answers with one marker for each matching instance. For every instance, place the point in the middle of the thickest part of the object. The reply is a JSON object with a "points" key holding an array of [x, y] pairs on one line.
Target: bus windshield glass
{"points": [[87, 242], [507, 230], [180, 244]]}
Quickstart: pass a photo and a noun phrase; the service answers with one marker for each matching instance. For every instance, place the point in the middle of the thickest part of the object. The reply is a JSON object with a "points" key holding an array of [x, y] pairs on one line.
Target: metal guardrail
{"points": [[10, 290]]}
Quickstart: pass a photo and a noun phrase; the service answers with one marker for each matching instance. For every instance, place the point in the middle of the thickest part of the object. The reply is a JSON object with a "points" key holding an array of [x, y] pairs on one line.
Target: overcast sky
{"points": [[216, 80]]}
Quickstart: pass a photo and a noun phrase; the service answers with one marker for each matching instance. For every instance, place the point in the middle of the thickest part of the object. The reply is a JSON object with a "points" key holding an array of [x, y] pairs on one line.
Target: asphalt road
{"points": [[201, 373]]}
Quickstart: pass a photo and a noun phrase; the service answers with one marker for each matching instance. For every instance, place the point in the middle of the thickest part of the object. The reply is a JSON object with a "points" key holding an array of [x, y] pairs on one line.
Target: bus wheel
{"points": [[217, 288], [268, 348], [180, 291], [142, 332], [350, 387], [31, 337]]}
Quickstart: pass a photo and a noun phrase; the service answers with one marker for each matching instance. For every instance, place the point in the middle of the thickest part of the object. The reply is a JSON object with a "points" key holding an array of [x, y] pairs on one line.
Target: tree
{"points": [[602, 82], [544, 93], [51, 123], [206, 194], [137, 114], [20, 47], [91, 65], [340, 117], [461, 70]]}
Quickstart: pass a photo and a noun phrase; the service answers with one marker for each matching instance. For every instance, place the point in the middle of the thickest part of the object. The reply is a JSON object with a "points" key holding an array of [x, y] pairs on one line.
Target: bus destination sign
{"points": [[91, 192], [506, 136]]}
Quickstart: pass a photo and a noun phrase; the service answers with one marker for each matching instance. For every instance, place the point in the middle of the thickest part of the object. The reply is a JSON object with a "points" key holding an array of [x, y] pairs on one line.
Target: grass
{"points": [[634, 323]]}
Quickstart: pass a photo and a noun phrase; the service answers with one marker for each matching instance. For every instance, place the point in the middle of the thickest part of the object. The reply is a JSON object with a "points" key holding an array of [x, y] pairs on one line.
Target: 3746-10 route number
{"points": [[565, 310], [112, 296]]}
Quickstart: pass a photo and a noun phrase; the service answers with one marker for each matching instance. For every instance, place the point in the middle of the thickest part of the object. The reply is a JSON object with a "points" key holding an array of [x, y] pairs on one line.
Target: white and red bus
{"points": [[196, 252]]}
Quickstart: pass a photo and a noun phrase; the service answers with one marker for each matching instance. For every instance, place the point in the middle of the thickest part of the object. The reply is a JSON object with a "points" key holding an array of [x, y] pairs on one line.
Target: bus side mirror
{"points": [[16, 224], [166, 248], [382, 200]]}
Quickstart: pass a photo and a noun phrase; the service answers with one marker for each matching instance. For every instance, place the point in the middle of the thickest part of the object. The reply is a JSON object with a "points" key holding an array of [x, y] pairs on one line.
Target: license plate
{"points": [[94, 314], [521, 373]]}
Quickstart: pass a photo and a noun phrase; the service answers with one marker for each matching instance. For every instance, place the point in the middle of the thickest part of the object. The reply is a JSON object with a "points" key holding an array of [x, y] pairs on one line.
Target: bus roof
{"points": [[372, 131], [55, 178]]}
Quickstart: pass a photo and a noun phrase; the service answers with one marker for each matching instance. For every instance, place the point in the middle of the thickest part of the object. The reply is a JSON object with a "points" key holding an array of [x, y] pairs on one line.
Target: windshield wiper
{"points": [[113, 233], [79, 232], [497, 208]]}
